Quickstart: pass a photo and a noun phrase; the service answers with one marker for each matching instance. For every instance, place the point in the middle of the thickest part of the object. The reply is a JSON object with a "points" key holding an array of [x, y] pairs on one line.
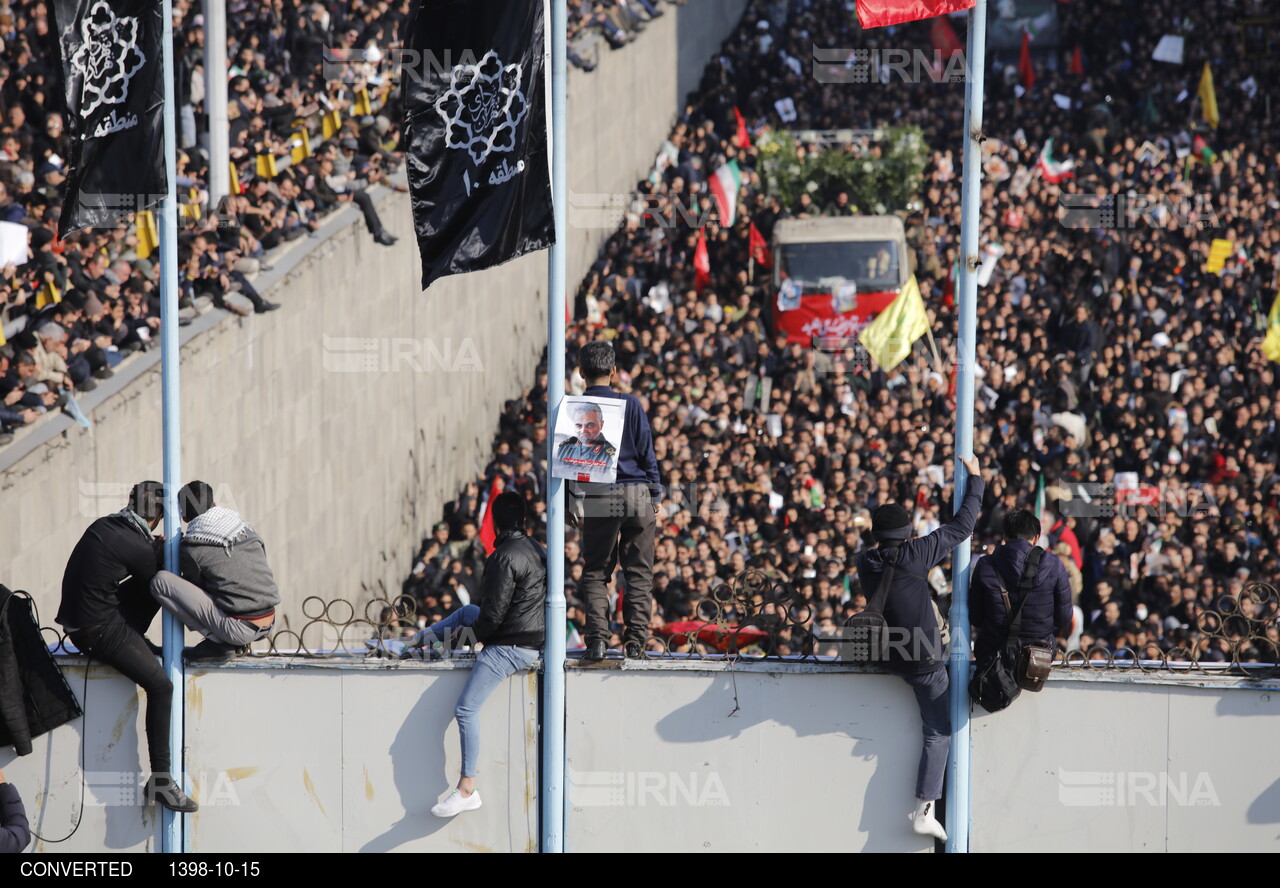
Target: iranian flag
{"points": [[880, 13], [725, 185], [1054, 170]]}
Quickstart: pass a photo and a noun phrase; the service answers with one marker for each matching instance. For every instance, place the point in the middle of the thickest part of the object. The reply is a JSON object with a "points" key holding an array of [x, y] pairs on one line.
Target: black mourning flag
{"points": [[475, 122], [111, 59]]}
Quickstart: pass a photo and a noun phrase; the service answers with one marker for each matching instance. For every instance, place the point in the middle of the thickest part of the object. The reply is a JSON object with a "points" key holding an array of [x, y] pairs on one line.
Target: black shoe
{"points": [[385, 239], [594, 652], [103, 373], [633, 650], [268, 306], [163, 790], [210, 651], [87, 386]]}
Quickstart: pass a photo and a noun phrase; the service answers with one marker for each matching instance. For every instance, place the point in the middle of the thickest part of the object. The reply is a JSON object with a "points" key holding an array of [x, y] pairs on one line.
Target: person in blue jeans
{"points": [[509, 622]]}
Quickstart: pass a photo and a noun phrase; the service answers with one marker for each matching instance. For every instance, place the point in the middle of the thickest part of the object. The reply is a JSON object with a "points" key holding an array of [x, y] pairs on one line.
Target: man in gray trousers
{"points": [[226, 591]]}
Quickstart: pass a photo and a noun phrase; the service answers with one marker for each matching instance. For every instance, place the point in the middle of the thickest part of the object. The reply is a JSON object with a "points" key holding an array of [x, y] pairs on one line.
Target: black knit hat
{"points": [[890, 522]]}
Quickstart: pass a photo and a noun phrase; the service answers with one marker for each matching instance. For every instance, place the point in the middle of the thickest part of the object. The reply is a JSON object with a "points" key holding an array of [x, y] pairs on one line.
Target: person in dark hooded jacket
{"points": [[1047, 614], [909, 611]]}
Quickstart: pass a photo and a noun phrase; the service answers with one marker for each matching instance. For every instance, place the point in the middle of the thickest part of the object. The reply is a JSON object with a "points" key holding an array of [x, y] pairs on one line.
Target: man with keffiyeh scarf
{"points": [[226, 591]]}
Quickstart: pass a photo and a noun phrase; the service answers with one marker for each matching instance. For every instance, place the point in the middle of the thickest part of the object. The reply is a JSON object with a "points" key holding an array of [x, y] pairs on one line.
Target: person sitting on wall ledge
{"points": [[510, 624], [106, 610], [226, 591]]}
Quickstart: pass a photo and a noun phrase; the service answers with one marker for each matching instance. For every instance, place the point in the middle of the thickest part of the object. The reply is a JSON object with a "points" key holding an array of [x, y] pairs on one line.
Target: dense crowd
{"points": [[82, 303], [1106, 357], [617, 22]]}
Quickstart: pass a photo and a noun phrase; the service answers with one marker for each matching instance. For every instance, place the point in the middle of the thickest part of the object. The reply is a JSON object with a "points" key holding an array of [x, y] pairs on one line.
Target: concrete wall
{"points": [[341, 472], [309, 755], [776, 757], [298, 756], [1098, 763]]}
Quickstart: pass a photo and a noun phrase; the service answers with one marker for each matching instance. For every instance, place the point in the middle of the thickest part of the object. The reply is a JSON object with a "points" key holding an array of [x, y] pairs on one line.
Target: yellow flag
{"points": [[889, 338], [1219, 252], [362, 105], [301, 145], [1271, 345], [47, 295], [235, 180], [148, 234], [331, 123], [266, 166], [1208, 99]]}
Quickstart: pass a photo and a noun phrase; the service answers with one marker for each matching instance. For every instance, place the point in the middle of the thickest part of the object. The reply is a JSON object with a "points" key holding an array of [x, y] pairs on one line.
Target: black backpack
{"points": [[866, 634], [995, 682]]}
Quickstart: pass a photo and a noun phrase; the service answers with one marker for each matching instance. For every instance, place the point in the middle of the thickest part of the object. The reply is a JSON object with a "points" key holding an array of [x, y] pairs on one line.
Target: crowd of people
{"points": [[617, 22], [1109, 359], [80, 304]]}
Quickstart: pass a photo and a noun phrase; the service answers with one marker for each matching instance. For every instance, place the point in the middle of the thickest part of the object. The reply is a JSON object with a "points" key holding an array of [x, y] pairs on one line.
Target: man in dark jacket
{"points": [[106, 610], [509, 622], [226, 592], [908, 610], [618, 520], [1047, 614], [15, 831]]}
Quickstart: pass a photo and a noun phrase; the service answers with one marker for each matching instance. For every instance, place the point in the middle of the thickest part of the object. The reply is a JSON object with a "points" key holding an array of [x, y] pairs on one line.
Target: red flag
{"points": [[743, 138], [758, 248], [879, 13], [487, 534], [944, 39], [701, 263], [1024, 63], [1077, 63]]}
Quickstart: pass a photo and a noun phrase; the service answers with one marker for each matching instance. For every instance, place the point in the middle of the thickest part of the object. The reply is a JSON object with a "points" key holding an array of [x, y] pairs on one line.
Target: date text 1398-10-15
{"points": [[182, 868]]}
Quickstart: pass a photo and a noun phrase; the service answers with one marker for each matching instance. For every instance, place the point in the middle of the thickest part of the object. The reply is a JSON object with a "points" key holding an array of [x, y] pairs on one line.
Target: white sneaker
{"points": [[454, 804], [924, 823]]}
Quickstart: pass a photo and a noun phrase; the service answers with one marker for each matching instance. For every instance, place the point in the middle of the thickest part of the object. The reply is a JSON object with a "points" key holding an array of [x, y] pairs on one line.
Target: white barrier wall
{"points": [[1130, 763], [762, 757], [295, 756], [686, 756]]}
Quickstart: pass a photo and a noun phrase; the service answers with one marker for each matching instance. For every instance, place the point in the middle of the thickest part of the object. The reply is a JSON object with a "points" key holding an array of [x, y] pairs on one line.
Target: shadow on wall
{"points": [[418, 763], [1266, 807], [729, 707]]}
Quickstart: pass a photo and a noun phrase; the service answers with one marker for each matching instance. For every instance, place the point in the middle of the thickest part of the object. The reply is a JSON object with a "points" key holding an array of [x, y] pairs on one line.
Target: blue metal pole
{"points": [[958, 777], [171, 833], [553, 725]]}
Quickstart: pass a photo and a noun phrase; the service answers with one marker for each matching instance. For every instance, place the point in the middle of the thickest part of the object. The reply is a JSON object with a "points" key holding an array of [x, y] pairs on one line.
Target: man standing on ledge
{"points": [[618, 520], [922, 659]]}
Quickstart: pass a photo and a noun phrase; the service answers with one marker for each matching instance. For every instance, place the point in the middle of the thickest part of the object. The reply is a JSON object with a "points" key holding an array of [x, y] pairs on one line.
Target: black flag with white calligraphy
{"points": [[112, 64], [475, 123]]}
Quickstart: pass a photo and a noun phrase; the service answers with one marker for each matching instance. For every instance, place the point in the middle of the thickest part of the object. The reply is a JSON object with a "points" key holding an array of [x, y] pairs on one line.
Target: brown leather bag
{"points": [[1034, 660]]}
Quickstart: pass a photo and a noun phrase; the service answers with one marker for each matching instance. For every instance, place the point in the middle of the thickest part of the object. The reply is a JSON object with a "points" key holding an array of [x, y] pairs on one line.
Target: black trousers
{"points": [[619, 526], [120, 644], [362, 199]]}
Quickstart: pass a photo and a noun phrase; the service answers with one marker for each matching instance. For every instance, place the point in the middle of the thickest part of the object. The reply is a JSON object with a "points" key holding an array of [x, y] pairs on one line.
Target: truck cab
{"points": [[832, 275]]}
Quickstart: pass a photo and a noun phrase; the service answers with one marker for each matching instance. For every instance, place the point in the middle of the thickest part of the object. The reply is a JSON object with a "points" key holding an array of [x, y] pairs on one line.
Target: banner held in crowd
{"points": [[111, 62], [477, 134]]}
